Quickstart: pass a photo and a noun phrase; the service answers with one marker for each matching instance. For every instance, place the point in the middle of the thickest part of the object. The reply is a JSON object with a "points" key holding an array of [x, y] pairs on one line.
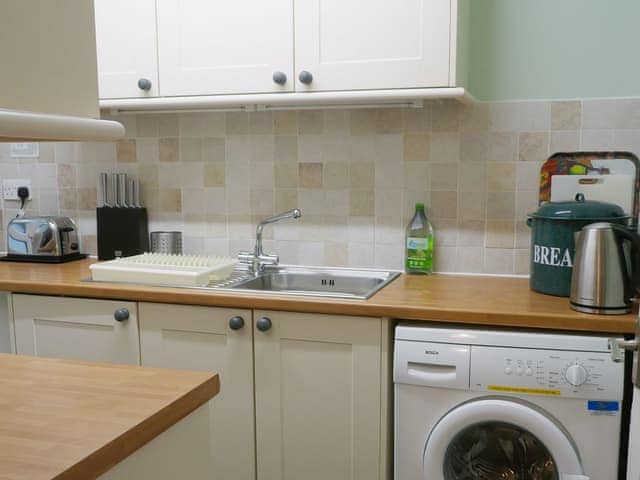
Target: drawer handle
{"points": [[305, 77], [236, 323], [144, 84], [121, 314], [263, 324], [280, 78]]}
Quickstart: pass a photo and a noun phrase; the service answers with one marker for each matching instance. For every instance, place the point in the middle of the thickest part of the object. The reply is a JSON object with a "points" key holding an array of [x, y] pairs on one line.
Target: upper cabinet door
{"points": [[126, 48], [372, 44], [209, 47]]}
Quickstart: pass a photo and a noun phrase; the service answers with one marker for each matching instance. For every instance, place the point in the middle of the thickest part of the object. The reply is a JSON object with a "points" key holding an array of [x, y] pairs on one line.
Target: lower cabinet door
{"points": [[216, 340], [76, 328], [318, 396]]}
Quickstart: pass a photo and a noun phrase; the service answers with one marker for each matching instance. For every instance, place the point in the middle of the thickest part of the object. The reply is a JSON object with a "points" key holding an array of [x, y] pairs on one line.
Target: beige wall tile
{"points": [[471, 233], [444, 204], [389, 202], [286, 199], [566, 115], [336, 175], [564, 142], [336, 121], [260, 123], [474, 147], [501, 205], [310, 122], [501, 177], [286, 174], [66, 175], [444, 259], [191, 150], [170, 200], [285, 122], [522, 262], [214, 174], [473, 177], [523, 234], [147, 125], [503, 117], [168, 125], [499, 260], [528, 176], [416, 147], [390, 120], [444, 147], [500, 234], [473, 206], [213, 149], [361, 202], [236, 123], [87, 198], [285, 149], [310, 175], [362, 122], [68, 199], [469, 259], [628, 113], [361, 175], [533, 146], [444, 176], [534, 116], [336, 254], [597, 140], [445, 116], [474, 117], [599, 114], [418, 120], [503, 147], [126, 151], [416, 175], [169, 148], [389, 175]]}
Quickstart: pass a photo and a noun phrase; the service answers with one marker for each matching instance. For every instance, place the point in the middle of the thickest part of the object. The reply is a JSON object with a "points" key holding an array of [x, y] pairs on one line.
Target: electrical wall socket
{"points": [[10, 188]]}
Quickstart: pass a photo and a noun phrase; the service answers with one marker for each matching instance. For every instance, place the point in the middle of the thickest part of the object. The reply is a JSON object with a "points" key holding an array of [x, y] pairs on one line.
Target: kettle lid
{"points": [[580, 208]]}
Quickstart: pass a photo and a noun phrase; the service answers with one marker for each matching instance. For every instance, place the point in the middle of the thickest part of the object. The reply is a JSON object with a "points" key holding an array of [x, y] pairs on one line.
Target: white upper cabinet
{"points": [[126, 47], [215, 54], [372, 44], [213, 47]]}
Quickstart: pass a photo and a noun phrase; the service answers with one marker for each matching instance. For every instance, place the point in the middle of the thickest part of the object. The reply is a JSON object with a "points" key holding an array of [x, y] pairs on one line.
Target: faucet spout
{"points": [[258, 259]]}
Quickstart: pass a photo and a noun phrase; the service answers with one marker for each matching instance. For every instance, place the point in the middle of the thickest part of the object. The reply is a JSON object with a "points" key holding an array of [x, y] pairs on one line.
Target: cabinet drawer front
{"points": [[76, 328], [208, 48], [318, 391], [214, 340], [364, 44]]}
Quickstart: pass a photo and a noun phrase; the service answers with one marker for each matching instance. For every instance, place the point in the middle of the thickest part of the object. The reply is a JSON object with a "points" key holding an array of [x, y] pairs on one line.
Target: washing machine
{"points": [[473, 404]]}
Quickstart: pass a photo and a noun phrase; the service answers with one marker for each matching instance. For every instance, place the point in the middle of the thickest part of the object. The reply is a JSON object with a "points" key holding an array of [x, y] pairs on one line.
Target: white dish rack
{"points": [[164, 269]]}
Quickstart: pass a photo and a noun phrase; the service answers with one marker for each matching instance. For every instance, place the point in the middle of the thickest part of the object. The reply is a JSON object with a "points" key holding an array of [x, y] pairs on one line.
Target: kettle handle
{"points": [[634, 239]]}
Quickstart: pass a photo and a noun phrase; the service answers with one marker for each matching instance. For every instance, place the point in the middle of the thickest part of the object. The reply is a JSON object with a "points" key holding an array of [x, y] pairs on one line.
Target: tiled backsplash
{"points": [[355, 174]]}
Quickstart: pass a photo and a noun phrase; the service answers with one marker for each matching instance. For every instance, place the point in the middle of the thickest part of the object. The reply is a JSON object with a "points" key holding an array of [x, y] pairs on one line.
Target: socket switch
{"points": [[10, 188]]}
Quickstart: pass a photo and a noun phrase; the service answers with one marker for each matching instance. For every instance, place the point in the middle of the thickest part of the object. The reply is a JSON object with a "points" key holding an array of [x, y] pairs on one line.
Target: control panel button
{"points": [[576, 374], [528, 372], [519, 371], [508, 370]]}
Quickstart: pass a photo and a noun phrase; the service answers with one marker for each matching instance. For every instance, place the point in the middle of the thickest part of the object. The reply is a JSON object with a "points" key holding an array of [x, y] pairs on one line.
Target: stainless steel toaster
{"points": [[42, 237]]}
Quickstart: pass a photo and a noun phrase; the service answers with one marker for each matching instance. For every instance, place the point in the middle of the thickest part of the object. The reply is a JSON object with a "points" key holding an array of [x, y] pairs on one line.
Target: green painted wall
{"points": [[545, 49]]}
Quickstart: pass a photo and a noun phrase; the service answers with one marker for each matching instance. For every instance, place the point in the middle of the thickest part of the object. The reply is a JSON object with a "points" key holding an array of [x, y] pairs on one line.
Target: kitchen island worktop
{"points": [[479, 300], [68, 420]]}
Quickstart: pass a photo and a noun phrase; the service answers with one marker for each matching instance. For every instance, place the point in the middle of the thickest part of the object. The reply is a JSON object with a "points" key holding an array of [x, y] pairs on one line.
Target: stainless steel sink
{"points": [[321, 282]]}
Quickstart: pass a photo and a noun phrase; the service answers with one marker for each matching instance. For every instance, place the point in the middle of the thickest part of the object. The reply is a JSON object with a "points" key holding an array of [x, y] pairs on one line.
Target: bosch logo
{"points": [[431, 352]]}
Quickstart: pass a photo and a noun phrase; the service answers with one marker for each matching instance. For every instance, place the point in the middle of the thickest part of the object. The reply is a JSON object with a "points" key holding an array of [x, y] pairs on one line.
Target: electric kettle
{"points": [[604, 277]]}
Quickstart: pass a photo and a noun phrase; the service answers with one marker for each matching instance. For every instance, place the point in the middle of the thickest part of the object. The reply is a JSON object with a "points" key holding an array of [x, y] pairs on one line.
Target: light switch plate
{"points": [[10, 188], [24, 150]]}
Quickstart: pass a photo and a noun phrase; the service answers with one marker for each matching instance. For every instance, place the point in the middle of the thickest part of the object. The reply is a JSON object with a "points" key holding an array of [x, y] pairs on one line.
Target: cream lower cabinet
{"points": [[321, 389], [321, 381], [76, 328], [216, 340]]}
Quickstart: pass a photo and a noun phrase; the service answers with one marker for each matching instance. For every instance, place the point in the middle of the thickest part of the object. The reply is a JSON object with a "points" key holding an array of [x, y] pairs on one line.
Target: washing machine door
{"points": [[500, 438]]}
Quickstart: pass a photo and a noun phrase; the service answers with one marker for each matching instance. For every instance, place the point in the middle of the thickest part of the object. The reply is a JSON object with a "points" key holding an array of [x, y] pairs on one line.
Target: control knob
{"points": [[576, 374]]}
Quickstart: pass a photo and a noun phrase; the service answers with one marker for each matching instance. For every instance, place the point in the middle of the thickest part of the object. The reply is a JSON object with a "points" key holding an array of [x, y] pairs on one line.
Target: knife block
{"points": [[122, 232]]}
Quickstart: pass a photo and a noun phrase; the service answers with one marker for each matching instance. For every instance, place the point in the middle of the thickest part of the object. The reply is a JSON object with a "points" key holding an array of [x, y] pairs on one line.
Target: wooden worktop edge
{"points": [[121, 447]]}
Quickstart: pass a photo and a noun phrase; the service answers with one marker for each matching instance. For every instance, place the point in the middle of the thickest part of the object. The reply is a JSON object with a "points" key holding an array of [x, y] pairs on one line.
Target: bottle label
{"points": [[420, 253]]}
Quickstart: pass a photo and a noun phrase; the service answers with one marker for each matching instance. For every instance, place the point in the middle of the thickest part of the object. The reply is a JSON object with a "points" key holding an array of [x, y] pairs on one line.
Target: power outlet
{"points": [[10, 188]]}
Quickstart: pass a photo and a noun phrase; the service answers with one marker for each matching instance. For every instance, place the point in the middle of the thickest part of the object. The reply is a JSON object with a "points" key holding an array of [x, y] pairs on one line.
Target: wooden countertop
{"points": [[481, 300], [68, 420]]}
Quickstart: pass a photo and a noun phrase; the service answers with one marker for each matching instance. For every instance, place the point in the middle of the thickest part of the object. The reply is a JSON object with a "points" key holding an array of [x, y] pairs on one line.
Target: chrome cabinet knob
{"points": [[305, 77], [236, 323], [121, 314], [280, 78], [263, 324], [144, 84]]}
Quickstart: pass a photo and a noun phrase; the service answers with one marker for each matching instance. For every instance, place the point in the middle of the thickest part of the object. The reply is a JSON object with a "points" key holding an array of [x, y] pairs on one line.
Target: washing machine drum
{"points": [[495, 439]]}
